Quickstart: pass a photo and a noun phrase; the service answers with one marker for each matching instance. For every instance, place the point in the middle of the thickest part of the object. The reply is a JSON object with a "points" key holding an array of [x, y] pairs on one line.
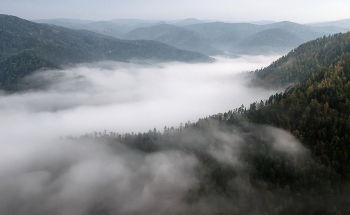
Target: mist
{"points": [[41, 173], [127, 97]]}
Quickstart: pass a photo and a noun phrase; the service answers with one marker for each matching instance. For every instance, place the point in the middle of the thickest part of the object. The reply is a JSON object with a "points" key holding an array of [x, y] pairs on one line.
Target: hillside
{"points": [[175, 36], [234, 37], [13, 69], [274, 40], [303, 61], [211, 38], [317, 112], [61, 46], [343, 23]]}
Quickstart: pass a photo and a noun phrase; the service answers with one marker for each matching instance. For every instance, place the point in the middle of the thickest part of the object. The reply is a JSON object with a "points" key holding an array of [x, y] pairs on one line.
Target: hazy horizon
{"points": [[223, 10]]}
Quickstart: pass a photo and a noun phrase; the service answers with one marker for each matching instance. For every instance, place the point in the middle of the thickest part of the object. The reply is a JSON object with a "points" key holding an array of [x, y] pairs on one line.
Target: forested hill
{"points": [[253, 167], [62, 45], [317, 112], [306, 59], [59, 45]]}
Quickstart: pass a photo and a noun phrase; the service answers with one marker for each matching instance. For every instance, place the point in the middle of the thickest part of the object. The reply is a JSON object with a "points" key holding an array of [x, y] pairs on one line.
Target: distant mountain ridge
{"points": [[175, 36], [214, 37], [343, 23], [60, 45]]}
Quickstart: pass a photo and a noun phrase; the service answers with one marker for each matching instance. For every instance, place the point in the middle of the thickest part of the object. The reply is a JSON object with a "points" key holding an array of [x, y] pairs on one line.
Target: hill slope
{"points": [[317, 112], [175, 36], [60, 45], [233, 37], [301, 62], [274, 40]]}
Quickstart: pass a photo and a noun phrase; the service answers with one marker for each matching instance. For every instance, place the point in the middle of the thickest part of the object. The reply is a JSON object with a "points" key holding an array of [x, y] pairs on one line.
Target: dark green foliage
{"points": [[16, 67], [303, 61], [261, 178], [317, 112]]}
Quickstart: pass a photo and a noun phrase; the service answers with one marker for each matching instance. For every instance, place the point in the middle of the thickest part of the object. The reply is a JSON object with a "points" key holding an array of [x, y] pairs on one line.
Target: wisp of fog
{"points": [[41, 174]]}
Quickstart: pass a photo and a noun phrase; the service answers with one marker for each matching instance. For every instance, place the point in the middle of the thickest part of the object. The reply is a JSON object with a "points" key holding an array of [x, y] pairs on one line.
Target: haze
{"points": [[223, 10], [124, 97], [42, 174]]}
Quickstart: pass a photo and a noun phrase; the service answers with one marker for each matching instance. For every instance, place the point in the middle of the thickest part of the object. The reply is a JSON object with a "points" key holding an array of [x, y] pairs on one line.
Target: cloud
{"points": [[42, 174], [95, 176], [131, 97]]}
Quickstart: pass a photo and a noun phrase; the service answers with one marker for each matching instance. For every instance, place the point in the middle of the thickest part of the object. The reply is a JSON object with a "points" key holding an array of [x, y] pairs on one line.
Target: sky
{"points": [[301, 11]]}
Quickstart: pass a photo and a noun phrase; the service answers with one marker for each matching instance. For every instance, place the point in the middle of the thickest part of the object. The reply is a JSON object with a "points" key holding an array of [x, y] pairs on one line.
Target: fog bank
{"points": [[190, 172], [125, 97]]}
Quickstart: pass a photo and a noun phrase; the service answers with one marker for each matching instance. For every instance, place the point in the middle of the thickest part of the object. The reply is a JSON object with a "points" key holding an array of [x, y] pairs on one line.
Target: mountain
{"points": [[68, 23], [103, 27], [316, 109], [189, 21], [249, 166], [224, 35], [262, 22], [343, 23], [303, 61], [212, 38], [175, 36], [275, 40], [14, 68], [60, 46], [235, 37], [317, 112]]}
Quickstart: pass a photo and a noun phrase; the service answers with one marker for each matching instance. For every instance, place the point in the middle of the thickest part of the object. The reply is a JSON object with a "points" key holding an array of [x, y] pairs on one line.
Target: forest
{"points": [[269, 169], [286, 154]]}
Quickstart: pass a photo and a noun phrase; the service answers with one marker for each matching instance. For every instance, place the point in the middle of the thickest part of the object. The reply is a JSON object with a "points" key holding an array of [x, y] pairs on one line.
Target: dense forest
{"points": [[303, 61], [258, 169], [245, 162]]}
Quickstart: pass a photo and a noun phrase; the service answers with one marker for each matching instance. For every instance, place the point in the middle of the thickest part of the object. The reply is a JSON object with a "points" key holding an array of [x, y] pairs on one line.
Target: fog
{"points": [[126, 97], [41, 174]]}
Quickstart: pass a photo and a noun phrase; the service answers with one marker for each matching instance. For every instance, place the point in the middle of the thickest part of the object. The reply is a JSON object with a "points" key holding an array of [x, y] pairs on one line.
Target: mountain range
{"points": [[213, 37], [42, 44], [278, 176]]}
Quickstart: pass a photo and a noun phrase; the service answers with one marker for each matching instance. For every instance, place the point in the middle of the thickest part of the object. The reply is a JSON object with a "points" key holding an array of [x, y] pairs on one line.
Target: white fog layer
{"points": [[42, 174], [125, 97]]}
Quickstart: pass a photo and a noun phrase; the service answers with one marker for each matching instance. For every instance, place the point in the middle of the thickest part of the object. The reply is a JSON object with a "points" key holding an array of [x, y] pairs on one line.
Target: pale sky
{"points": [[301, 11]]}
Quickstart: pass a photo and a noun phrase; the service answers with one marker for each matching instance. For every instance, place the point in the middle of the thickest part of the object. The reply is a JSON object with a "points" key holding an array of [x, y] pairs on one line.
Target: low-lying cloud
{"points": [[40, 174], [126, 97]]}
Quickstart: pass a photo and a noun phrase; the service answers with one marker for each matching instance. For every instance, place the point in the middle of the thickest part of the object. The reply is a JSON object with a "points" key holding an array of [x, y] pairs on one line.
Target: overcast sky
{"points": [[301, 11]]}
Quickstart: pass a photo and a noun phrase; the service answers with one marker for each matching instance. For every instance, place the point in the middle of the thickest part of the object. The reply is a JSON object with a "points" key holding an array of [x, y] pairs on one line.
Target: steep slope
{"points": [[175, 36], [301, 62], [13, 69], [317, 112]]}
